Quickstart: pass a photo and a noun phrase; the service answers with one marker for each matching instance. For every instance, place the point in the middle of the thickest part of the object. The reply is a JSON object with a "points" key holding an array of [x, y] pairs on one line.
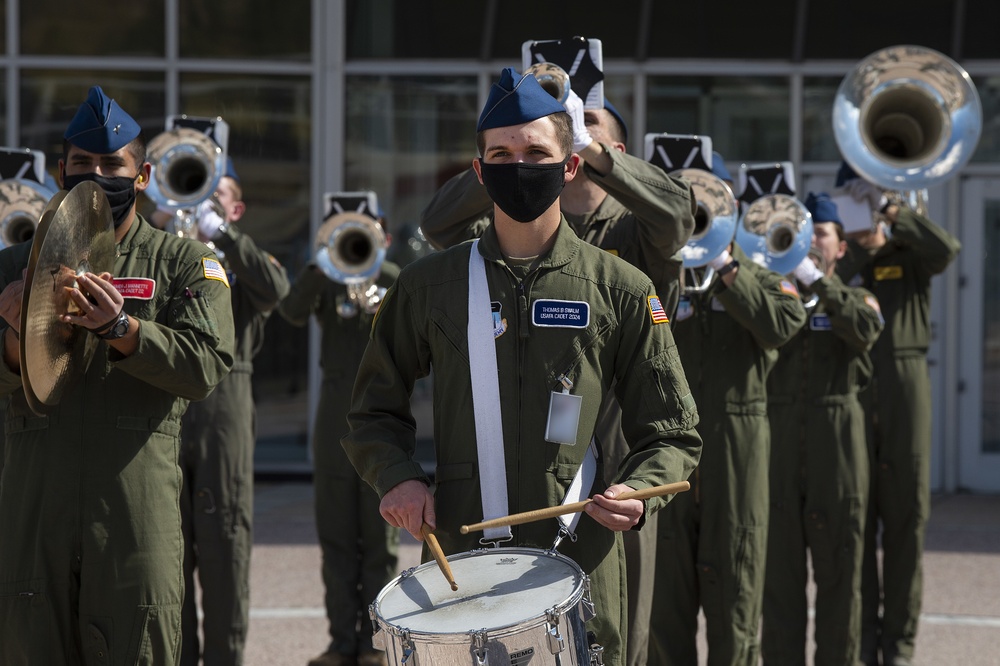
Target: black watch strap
{"points": [[118, 329], [728, 268]]}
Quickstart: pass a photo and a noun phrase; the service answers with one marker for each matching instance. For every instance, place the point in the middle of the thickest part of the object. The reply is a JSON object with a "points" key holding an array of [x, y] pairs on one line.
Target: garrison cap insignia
{"points": [[656, 310]]}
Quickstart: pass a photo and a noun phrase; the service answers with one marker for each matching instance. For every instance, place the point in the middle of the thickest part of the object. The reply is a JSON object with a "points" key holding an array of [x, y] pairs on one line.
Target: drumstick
{"points": [[574, 507], [435, 548]]}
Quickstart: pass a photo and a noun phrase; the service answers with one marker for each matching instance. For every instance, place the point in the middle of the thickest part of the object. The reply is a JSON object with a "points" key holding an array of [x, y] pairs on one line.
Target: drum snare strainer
{"points": [[513, 607]]}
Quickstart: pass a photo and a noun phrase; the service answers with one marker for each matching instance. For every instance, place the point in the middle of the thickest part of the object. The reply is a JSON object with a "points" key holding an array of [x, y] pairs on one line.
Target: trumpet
{"points": [[714, 223], [22, 202], [776, 232], [907, 117], [350, 249], [553, 79]]}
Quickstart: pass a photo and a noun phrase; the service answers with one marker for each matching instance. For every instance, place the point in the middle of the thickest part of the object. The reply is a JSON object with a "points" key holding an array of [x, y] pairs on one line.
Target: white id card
{"points": [[564, 417]]}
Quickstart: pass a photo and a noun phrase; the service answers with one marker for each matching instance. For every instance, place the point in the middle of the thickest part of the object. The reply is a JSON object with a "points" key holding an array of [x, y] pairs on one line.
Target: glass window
{"points": [[50, 98], [989, 144], [414, 29], [991, 332], [818, 144], [269, 141], [3, 26], [747, 117], [854, 28], [106, 28], [258, 29], [980, 34], [719, 29], [518, 21], [406, 137]]}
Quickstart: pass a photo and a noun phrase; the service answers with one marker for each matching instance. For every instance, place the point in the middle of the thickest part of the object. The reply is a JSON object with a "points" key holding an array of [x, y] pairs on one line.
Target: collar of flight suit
{"points": [[136, 234], [565, 248]]}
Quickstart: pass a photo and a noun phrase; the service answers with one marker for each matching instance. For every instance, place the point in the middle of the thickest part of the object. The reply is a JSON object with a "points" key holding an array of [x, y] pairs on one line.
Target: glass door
{"points": [[979, 337]]}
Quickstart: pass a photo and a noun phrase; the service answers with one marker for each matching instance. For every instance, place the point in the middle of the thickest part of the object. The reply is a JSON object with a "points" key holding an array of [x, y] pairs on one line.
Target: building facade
{"points": [[331, 95]]}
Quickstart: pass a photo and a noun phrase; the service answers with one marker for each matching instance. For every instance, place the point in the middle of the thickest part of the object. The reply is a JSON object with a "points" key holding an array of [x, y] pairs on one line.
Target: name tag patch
{"points": [[560, 314], [820, 322], [888, 272], [139, 288]]}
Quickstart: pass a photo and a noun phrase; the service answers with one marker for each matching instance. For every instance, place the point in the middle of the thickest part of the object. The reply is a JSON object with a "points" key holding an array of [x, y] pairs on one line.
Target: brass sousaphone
{"points": [[75, 235]]}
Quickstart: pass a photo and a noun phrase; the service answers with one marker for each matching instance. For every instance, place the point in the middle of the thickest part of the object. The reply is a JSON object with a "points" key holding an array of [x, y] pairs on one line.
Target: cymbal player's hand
{"points": [[409, 505], [98, 300], [10, 303], [616, 515]]}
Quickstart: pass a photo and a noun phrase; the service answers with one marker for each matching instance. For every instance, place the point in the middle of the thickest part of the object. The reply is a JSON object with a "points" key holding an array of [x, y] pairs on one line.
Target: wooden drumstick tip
{"points": [[439, 557]]}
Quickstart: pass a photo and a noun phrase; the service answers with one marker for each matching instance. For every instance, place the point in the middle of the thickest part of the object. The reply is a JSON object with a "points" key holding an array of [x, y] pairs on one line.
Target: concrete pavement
{"points": [[960, 622]]}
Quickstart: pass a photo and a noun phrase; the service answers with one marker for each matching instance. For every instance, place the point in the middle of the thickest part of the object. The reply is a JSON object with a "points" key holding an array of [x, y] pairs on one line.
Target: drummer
{"points": [[565, 319]]}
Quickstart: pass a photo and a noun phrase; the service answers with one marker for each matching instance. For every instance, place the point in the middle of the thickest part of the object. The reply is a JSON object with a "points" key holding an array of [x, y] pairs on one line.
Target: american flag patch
{"points": [[214, 270], [656, 311], [788, 288]]}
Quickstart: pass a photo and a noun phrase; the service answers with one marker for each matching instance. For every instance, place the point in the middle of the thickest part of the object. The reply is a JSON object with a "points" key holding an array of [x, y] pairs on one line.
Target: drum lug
{"points": [[378, 638], [408, 649], [587, 610], [556, 642], [479, 640], [596, 654]]}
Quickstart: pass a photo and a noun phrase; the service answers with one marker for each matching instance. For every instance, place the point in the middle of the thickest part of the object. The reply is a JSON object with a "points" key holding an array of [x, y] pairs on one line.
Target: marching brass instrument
{"points": [[714, 223], [553, 79], [776, 232], [907, 117], [187, 167], [22, 202], [350, 249]]}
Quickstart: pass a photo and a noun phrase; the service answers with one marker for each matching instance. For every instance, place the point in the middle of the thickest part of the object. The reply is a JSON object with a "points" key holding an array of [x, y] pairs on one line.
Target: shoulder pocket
{"points": [[666, 395]]}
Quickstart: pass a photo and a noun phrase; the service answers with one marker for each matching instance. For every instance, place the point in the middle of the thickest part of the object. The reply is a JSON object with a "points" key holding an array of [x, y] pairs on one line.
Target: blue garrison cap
{"points": [[621, 120], [100, 125], [231, 170], [719, 167], [514, 100], [822, 208], [844, 174]]}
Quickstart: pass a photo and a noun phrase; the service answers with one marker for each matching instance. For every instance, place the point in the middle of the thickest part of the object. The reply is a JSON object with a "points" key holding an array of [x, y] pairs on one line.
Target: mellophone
{"points": [[517, 606]]}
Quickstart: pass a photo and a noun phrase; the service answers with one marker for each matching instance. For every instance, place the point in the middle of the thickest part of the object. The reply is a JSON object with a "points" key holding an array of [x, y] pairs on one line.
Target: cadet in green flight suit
{"points": [[632, 209], [612, 330], [91, 559], [713, 539], [897, 268], [359, 548], [819, 460], [218, 436]]}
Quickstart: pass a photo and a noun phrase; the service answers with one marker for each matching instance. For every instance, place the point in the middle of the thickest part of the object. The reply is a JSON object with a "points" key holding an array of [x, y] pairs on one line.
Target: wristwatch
{"points": [[118, 329], [728, 268]]}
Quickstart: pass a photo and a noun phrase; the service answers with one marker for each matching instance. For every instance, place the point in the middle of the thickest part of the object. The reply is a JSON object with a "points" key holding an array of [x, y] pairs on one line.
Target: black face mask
{"points": [[524, 191], [119, 190]]}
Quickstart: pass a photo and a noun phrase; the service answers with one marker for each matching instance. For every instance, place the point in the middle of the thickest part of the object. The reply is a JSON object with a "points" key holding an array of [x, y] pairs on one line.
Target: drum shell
{"points": [[529, 639]]}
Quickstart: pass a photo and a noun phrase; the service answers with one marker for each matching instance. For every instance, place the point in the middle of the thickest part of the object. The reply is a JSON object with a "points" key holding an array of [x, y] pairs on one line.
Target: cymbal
{"points": [[75, 235]]}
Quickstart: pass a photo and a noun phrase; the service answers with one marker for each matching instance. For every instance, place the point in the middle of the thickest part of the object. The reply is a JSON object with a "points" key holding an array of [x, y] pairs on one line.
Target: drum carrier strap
{"points": [[487, 412]]}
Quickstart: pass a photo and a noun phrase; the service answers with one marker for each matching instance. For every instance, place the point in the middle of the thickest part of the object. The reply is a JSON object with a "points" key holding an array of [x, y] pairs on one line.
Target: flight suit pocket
{"points": [[666, 395], [23, 614], [458, 338], [155, 636]]}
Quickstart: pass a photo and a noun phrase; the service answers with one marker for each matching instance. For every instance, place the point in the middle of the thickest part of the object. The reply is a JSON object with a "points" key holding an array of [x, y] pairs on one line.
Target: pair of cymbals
{"points": [[75, 235]]}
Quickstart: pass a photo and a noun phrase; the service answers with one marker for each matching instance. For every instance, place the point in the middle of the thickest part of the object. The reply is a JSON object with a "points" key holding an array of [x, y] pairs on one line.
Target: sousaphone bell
{"points": [[75, 235], [714, 223], [775, 231]]}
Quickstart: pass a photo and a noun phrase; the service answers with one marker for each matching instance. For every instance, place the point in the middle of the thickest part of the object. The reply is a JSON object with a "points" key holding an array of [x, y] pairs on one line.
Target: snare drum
{"points": [[513, 607]]}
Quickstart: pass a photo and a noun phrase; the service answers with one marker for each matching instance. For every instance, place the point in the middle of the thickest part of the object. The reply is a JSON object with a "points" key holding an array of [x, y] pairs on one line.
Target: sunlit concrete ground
{"points": [[960, 622]]}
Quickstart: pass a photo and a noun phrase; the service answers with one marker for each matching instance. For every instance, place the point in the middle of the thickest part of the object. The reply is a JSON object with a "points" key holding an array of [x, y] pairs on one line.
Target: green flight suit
{"points": [[646, 219], [360, 550], [218, 435], [91, 559], [423, 323], [713, 540], [899, 405], [819, 479]]}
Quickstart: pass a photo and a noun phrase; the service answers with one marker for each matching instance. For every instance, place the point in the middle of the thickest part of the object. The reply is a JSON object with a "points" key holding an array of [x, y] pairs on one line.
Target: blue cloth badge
{"points": [[820, 322], [561, 314], [499, 323]]}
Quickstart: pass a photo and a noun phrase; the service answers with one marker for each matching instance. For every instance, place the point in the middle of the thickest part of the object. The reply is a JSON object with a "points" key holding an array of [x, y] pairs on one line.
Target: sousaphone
{"points": [[75, 235]]}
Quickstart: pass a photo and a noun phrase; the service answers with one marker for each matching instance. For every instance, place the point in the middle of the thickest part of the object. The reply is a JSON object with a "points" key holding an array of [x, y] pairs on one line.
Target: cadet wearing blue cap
{"points": [[897, 267], [562, 318], [819, 462], [92, 552], [218, 436], [622, 204]]}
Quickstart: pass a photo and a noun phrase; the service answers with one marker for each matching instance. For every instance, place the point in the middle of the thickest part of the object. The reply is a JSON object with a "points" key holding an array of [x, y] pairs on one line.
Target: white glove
{"points": [[581, 137], [861, 190], [807, 272], [208, 220], [720, 261]]}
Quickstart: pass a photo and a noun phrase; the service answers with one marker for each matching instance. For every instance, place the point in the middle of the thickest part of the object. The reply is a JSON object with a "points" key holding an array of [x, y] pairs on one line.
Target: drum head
{"points": [[496, 588]]}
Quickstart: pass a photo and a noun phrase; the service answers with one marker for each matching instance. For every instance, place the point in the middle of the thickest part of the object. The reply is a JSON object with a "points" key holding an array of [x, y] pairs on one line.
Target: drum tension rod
{"points": [[556, 642], [479, 641]]}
